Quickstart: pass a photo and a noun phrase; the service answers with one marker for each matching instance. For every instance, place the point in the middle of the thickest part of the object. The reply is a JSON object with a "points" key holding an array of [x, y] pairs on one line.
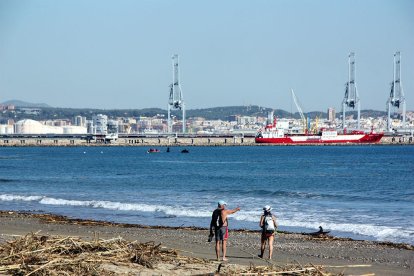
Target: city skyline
{"points": [[105, 54]]}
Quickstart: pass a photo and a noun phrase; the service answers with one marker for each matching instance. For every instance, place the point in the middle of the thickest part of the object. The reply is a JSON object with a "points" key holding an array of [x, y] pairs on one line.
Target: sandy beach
{"points": [[336, 255]]}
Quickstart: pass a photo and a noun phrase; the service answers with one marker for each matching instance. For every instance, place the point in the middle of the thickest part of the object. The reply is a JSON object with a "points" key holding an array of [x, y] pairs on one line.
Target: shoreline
{"points": [[56, 218], [336, 254]]}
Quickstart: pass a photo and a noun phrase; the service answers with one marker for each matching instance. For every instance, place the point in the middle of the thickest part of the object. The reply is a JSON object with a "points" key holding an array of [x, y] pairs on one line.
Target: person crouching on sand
{"points": [[220, 224], [268, 225]]}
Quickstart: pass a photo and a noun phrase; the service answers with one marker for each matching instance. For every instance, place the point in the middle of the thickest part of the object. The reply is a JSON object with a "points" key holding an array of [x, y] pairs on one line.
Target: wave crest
{"points": [[111, 205]]}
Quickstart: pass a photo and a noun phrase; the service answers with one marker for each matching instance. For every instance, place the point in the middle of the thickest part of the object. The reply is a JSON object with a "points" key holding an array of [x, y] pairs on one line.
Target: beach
{"points": [[336, 255], [98, 193]]}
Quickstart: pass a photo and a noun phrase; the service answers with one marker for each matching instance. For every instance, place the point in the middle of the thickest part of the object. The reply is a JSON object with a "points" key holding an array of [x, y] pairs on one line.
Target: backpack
{"points": [[216, 219], [269, 224]]}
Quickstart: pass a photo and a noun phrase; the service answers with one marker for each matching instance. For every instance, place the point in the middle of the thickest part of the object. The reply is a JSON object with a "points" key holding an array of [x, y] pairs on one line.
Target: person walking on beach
{"points": [[268, 225], [220, 224]]}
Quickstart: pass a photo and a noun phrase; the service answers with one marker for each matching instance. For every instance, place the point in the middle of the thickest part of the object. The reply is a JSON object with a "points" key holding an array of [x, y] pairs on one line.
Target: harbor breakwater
{"points": [[129, 141], [33, 140]]}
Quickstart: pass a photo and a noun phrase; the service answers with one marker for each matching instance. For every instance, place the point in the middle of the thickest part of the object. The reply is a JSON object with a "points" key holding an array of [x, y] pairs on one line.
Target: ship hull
{"points": [[316, 139]]}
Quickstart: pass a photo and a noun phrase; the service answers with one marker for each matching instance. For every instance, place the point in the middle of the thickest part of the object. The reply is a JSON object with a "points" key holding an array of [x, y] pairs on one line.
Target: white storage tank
{"points": [[52, 129], [74, 130], [28, 126], [6, 129]]}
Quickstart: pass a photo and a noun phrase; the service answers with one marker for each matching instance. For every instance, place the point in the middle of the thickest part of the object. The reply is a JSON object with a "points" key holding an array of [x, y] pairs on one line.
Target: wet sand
{"points": [[351, 257]]}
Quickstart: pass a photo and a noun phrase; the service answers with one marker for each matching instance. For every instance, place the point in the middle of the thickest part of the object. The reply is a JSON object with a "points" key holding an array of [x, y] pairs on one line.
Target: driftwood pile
{"points": [[308, 270], [53, 255], [35, 254]]}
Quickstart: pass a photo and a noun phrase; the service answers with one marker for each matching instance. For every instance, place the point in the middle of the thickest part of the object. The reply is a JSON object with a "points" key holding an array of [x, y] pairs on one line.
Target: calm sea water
{"points": [[364, 192]]}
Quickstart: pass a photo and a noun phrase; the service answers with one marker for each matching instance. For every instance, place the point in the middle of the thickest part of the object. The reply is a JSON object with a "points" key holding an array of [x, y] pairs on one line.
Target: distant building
{"points": [[79, 121], [30, 111], [61, 123], [246, 120], [8, 107], [177, 127], [233, 118], [89, 126], [331, 114], [100, 124], [113, 126]]}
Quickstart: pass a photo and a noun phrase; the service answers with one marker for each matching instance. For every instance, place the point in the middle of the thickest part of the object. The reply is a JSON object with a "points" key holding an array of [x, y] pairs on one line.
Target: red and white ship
{"points": [[274, 135]]}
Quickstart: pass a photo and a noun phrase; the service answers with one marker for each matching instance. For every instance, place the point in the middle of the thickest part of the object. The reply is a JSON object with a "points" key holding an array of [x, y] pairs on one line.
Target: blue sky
{"points": [[117, 54]]}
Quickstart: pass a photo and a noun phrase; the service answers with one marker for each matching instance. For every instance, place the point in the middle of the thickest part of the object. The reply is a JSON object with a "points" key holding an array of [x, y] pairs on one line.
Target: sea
{"points": [[361, 192]]}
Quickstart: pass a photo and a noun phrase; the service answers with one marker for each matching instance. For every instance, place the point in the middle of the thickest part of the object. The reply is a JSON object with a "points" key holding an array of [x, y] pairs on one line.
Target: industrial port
{"points": [[174, 129]]}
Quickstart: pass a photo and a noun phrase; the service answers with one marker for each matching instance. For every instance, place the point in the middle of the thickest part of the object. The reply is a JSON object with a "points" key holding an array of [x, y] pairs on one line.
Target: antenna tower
{"points": [[351, 98], [396, 99], [175, 101]]}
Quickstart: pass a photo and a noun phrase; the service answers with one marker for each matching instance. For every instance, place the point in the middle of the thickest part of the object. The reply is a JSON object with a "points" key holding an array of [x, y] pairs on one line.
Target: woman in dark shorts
{"points": [[268, 225]]}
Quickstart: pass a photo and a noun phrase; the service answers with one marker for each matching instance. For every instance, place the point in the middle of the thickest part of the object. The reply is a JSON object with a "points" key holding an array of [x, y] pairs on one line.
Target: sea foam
{"points": [[377, 232], [121, 206], [7, 197]]}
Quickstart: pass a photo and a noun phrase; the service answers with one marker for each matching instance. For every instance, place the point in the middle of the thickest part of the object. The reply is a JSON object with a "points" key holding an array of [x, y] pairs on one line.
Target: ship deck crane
{"points": [[300, 111]]}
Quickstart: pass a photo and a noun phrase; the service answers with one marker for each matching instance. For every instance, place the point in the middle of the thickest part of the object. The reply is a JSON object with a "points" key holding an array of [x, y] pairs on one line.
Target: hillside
{"points": [[214, 113], [18, 103]]}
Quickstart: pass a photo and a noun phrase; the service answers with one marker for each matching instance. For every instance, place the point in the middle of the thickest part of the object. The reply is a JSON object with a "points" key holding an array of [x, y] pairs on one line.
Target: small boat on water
{"points": [[152, 150], [185, 151]]}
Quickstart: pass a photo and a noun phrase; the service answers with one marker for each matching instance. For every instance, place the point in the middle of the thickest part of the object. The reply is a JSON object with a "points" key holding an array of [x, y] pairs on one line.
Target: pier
{"points": [[156, 140], [125, 140]]}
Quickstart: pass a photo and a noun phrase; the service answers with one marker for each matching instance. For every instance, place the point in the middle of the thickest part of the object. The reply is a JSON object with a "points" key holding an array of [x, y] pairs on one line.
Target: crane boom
{"points": [[299, 109]]}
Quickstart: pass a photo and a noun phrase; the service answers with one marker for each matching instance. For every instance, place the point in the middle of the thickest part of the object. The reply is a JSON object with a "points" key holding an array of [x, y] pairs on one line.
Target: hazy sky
{"points": [[117, 54]]}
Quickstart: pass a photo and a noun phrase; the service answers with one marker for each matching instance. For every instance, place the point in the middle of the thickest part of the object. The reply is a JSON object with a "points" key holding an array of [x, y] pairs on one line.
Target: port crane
{"points": [[302, 117], [175, 101], [351, 98], [396, 100]]}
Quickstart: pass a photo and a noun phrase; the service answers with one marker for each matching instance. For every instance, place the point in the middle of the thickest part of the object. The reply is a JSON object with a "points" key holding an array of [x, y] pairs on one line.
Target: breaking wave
{"points": [[375, 232], [110, 205], [19, 198], [362, 230], [378, 232]]}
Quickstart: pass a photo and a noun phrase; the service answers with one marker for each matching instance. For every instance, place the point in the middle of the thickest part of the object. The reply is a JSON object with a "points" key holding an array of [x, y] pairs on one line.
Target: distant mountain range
{"points": [[214, 113], [18, 103]]}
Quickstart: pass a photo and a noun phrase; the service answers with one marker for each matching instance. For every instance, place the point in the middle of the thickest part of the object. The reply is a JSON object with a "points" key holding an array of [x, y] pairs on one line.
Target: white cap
{"points": [[222, 202], [267, 208]]}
